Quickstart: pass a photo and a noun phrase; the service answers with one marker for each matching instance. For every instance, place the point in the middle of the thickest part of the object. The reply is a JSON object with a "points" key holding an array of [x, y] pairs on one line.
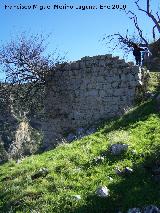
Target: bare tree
{"points": [[25, 64], [123, 42], [23, 59], [126, 41], [155, 18]]}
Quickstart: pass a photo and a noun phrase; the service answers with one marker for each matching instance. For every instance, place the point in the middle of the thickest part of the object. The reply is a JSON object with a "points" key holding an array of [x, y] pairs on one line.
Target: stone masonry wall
{"points": [[80, 93]]}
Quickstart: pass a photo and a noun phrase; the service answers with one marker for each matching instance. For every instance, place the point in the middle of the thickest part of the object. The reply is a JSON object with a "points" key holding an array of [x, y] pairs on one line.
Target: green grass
{"points": [[74, 170], [154, 82]]}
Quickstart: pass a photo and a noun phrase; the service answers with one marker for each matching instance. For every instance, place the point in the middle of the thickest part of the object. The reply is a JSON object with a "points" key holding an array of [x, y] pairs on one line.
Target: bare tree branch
{"points": [[149, 14], [25, 64], [153, 33], [158, 17], [139, 30], [125, 41]]}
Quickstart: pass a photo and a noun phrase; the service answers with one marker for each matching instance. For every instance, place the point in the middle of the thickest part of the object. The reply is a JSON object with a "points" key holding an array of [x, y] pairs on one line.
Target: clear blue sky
{"points": [[77, 32]]}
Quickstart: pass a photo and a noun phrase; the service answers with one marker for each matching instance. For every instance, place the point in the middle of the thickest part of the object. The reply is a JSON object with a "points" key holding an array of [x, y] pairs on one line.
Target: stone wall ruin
{"points": [[80, 93]]}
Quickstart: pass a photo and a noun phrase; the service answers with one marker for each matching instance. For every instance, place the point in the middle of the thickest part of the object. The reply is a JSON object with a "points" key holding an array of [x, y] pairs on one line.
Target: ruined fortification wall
{"points": [[83, 92]]}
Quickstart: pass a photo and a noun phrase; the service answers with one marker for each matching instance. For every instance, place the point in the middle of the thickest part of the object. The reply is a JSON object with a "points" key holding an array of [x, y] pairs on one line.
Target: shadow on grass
{"points": [[138, 189], [103, 158], [141, 113], [134, 190]]}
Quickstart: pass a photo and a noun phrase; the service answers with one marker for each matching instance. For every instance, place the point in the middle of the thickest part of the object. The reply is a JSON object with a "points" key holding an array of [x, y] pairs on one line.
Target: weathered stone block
{"points": [[89, 63], [115, 84], [135, 69], [131, 77], [82, 65], [101, 93], [133, 83], [118, 92], [92, 92], [123, 77], [108, 56]]}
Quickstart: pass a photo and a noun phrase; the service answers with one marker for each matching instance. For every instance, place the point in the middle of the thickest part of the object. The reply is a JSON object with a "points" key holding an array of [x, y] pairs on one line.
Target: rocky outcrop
{"points": [[19, 140], [26, 141], [19, 135]]}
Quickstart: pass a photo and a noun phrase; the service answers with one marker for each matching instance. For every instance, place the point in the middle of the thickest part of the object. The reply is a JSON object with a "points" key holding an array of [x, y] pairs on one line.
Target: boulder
{"points": [[77, 197], [134, 210], [102, 191], [40, 173], [117, 149], [90, 131], [71, 137], [151, 209], [125, 171], [80, 132], [128, 170], [149, 95]]}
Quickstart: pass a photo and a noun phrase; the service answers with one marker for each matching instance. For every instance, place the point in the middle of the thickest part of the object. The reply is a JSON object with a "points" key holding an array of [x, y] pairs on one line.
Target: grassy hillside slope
{"points": [[81, 167]]}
